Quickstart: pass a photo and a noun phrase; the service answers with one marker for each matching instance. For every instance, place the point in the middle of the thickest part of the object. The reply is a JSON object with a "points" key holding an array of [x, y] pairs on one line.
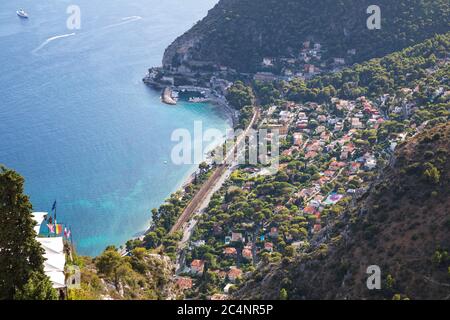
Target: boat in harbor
{"points": [[197, 99], [22, 14]]}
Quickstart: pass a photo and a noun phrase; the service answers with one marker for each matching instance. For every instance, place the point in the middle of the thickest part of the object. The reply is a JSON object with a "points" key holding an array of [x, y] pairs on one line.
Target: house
{"points": [[303, 124], [236, 237], [219, 297], [234, 274], [298, 139], [320, 129], [273, 232], [344, 155], [317, 228], [308, 192], [184, 283], [198, 243], [285, 116], [230, 251], [247, 253], [322, 118], [311, 155], [197, 267], [220, 274], [267, 62], [354, 167], [339, 60], [325, 136], [268, 246], [329, 173], [288, 72], [217, 230], [169, 80], [279, 208], [310, 210], [226, 289], [313, 146], [323, 180], [314, 203], [281, 128], [54, 253], [371, 163], [265, 77], [338, 126], [336, 165], [356, 123], [309, 68]]}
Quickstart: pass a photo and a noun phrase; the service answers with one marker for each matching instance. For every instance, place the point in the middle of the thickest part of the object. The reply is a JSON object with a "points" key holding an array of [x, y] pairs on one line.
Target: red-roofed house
{"points": [[247, 253], [219, 297], [310, 210], [317, 228], [268, 246], [329, 173], [230, 251], [310, 155], [184, 283], [197, 267], [354, 167], [234, 274]]}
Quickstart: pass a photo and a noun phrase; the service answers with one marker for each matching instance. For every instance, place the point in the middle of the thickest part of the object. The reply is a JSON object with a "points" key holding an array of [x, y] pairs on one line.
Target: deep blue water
{"points": [[78, 123]]}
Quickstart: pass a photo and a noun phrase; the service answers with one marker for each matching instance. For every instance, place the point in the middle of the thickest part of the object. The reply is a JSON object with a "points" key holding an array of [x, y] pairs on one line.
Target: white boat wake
{"points": [[46, 42], [124, 21]]}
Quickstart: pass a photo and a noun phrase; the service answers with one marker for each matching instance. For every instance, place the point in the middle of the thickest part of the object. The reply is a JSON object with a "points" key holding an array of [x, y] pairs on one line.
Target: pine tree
{"points": [[20, 253], [38, 287]]}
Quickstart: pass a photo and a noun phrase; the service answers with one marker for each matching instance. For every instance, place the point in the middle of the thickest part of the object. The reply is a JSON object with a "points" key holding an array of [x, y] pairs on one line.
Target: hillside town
{"points": [[330, 155]]}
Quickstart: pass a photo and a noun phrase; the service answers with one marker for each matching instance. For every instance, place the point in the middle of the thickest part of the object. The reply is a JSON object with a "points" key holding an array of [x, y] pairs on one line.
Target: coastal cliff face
{"points": [[239, 33], [401, 225]]}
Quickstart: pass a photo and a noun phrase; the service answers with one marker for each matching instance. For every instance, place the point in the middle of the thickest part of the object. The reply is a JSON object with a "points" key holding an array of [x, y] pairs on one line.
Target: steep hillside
{"points": [[239, 33], [402, 224], [140, 275]]}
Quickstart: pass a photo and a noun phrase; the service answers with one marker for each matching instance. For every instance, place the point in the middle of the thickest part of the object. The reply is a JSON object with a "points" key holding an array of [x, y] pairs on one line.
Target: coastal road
{"points": [[187, 221], [214, 182]]}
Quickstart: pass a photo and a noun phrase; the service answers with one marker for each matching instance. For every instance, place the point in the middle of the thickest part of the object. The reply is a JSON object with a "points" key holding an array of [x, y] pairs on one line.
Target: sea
{"points": [[76, 120]]}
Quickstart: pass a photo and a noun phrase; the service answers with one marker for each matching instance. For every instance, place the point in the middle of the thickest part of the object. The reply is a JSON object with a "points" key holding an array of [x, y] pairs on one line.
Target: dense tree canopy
{"points": [[21, 260]]}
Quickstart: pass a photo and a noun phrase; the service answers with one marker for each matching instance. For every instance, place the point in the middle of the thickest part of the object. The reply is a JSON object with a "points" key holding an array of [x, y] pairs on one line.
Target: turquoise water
{"points": [[78, 123]]}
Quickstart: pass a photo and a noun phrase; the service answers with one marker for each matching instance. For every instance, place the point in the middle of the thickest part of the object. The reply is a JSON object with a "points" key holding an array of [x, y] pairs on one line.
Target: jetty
{"points": [[167, 96]]}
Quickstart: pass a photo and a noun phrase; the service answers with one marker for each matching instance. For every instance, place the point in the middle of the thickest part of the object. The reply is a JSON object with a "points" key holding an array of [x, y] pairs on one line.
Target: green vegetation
{"points": [[409, 67], [21, 261], [139, 275], [240, 95], [239, 33]]}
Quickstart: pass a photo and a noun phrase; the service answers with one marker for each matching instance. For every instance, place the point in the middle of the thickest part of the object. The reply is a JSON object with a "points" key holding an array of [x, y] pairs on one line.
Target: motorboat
{"points": [[21, 13]]}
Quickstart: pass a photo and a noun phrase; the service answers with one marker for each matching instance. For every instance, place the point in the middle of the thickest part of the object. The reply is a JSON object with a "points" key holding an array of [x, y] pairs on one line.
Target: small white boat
{"points": [[21, 13]]}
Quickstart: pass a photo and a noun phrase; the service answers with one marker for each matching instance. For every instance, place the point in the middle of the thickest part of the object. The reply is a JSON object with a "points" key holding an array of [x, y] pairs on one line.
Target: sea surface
{"points": [[78, 123]]}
